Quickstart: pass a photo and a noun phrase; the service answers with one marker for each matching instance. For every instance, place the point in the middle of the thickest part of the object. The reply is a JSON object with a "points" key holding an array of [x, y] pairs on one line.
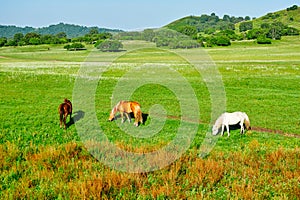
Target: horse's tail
{"points": [[136, 109], [139, 115], [61, 111], [247, 122]]}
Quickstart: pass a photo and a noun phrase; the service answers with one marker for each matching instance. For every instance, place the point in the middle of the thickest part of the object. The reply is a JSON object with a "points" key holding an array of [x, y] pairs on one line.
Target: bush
{"points": [[110, 45], [223, 41], [294, 7], [262, 39], [75, 47]]}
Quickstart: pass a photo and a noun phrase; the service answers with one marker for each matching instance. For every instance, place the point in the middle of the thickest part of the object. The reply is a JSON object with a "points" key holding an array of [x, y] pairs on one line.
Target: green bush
{"points": [[75, 47], [110, 45], [262, 39]]}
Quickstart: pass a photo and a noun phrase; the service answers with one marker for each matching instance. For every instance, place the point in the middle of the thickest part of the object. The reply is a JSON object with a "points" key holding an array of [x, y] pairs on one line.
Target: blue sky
{"points": [[127, 14]]}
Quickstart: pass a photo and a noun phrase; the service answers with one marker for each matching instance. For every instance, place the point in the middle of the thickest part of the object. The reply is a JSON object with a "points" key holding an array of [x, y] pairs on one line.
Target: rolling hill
{"points": [[211, 23], [287, 16], [70, 29]]}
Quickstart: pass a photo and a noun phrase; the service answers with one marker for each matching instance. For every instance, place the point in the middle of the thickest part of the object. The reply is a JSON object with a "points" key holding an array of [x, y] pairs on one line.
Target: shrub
{"points": [[262, 39], [75, 47], [110, 45], [294, 7], [223, 41]]}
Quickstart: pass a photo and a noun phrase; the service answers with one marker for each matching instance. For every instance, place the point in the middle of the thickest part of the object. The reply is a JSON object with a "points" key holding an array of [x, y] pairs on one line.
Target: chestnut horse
{"points": [[64, 110], [127, 107]]}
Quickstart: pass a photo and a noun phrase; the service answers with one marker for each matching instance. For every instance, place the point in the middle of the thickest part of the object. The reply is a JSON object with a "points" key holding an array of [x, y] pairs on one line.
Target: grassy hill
{"points": [[211, 23], [290, 18], [204, 23]]}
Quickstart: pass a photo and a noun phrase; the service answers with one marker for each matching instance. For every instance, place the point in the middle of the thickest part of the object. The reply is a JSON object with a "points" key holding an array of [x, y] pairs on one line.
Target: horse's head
{"points": [[111, 117], [112, 114], [215, 130]]}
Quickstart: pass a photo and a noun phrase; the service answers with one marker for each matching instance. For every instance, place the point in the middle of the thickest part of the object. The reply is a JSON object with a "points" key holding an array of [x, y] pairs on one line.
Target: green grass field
{"points": [[40, 160]]}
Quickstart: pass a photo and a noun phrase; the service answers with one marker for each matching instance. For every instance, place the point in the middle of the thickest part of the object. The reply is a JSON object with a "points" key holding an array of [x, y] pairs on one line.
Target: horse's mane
{"points": [[219, 121]]}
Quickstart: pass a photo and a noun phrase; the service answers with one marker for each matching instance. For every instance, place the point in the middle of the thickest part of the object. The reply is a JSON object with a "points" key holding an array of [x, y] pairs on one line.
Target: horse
{"points": [[127, 107], [64, 109], [234, 118]]}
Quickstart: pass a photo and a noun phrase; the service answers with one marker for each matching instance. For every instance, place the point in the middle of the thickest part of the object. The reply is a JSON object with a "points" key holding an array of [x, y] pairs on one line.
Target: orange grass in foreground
{"points": [[68, 171]]}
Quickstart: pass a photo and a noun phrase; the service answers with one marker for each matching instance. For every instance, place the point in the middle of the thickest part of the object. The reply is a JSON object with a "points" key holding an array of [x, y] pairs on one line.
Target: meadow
{"points": [[38, 160]]}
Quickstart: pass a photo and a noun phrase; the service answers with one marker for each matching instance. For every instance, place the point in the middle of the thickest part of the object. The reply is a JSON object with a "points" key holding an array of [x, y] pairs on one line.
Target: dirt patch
{"points": [[279, 132]]}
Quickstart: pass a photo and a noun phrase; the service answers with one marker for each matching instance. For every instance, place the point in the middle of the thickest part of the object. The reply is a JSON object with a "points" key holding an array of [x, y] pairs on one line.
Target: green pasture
{"points": [[262, 81]]}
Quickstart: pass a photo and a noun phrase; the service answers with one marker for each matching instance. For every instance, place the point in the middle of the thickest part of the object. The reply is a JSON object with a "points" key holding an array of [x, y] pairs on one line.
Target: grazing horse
{"points": [[227, 119], [64, 110], [127, 107]]}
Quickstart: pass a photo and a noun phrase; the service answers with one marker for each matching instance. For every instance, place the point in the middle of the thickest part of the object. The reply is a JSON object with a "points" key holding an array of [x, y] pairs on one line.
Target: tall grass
{"points": [[68, 171]]}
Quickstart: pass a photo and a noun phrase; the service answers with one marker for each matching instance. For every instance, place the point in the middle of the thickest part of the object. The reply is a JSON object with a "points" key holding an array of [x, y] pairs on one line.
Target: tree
{"points": [[291, 31], [226, 18], [18, 37], [188, 30], [245, 26], [61, 35], [148, 35], [34, 41], [262, 39], [3, 41], [94, 31], [110, 45], [223, 41], [34, 37], [294, 7], [265, 25], [75, 47], [254, 33]]}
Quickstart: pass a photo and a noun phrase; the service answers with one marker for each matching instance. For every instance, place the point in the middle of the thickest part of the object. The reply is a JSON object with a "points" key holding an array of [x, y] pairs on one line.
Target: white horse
{"points": [[227, 119]]}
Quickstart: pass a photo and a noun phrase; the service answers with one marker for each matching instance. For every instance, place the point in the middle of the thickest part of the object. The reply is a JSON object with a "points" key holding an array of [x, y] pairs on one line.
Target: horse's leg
{"points": [[227, 127], [136, 119], [128, 117], [65, 118], [242, 128], [222, 131], [60, 120], [122, 116]]}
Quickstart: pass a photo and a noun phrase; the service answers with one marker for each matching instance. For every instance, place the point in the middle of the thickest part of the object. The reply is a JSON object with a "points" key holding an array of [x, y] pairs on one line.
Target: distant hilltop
{"points": [[71, 30]]}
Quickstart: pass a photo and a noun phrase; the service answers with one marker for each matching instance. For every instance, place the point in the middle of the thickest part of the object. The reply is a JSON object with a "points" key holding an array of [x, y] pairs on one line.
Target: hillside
{"points": [[211, 23], [205, 23], [287, 17], [70, 29]]}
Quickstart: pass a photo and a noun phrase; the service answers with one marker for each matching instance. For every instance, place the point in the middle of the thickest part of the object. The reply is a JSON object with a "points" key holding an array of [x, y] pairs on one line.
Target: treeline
{"points": [[33, 38], [71, 30], [162, 37], [263, 35]]}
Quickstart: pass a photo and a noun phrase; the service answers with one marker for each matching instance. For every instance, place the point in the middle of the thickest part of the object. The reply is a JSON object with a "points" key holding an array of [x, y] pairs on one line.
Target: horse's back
{"points": [[65, 108], [135, 106], [128, 106], [232, 118]]}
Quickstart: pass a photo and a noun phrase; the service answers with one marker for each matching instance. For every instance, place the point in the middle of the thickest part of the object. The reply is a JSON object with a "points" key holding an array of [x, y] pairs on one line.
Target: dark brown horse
{"points": [[64, 110]]}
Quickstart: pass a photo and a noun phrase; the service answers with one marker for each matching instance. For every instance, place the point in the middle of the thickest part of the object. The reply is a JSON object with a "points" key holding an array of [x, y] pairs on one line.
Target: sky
{"points": [[128, 14]]}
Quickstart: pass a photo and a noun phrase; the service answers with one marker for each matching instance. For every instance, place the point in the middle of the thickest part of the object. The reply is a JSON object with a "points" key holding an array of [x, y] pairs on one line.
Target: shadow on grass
{"points": [[78, 115]]}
